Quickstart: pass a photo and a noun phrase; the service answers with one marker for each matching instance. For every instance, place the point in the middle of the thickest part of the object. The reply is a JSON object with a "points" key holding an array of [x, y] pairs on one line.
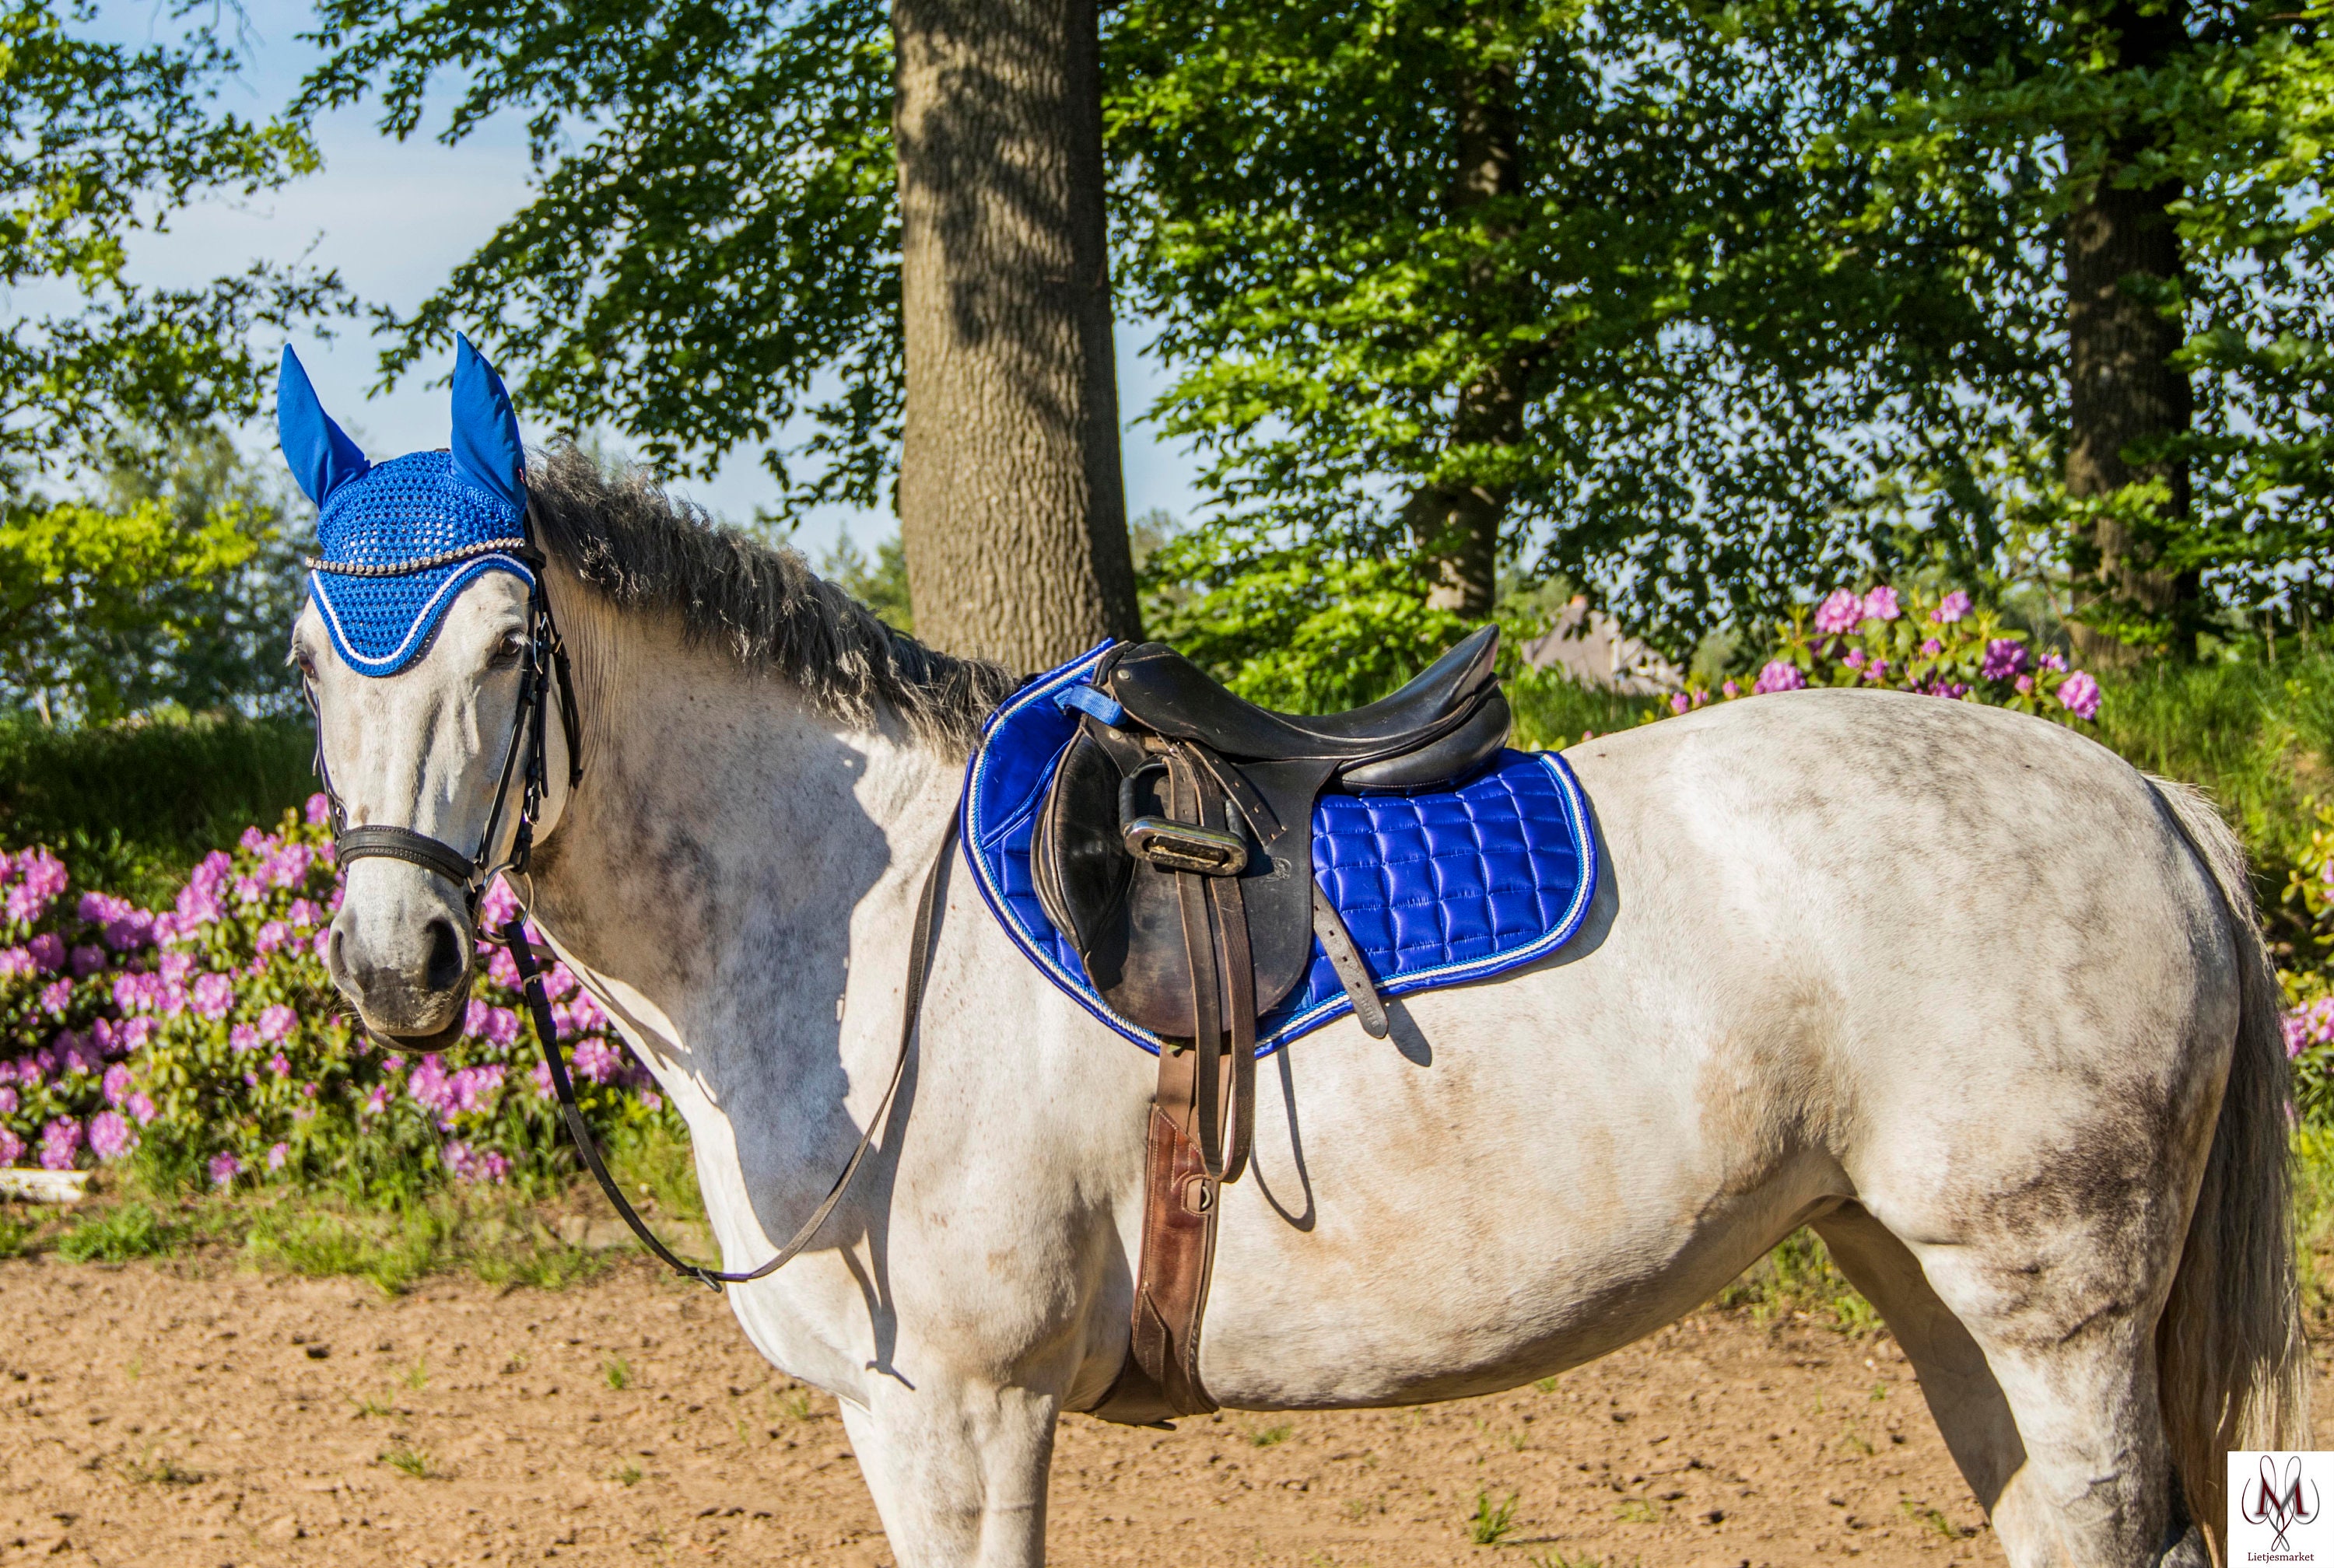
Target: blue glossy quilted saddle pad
{"points": [[1436, 889]]}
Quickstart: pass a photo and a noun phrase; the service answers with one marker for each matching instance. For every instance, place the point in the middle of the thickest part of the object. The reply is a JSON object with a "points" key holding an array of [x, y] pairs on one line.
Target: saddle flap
{"points": [[1124, 916]]}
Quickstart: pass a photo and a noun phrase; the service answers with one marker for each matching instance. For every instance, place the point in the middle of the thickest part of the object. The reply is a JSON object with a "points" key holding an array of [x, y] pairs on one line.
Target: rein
{"points": [[547, 668]]}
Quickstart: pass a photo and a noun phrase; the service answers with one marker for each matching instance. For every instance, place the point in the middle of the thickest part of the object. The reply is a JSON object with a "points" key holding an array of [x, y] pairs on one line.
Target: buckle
{"points": [[1174, 846]]}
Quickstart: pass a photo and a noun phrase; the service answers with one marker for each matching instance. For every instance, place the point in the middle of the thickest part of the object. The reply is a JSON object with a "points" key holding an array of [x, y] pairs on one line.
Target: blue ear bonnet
{"points": [[401, 540]]}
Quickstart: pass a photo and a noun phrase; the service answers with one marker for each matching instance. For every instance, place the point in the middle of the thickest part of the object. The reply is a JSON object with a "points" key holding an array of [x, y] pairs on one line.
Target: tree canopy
{"points": [[1695, 305]]}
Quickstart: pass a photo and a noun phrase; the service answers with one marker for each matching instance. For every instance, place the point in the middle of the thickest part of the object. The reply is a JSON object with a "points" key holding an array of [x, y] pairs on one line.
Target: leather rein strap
{"points": [[545, 673], [547, 1031]]}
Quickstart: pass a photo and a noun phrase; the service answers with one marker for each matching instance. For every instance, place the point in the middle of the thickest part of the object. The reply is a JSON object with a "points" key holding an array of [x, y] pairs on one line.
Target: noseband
{"points": [[546, 667]]}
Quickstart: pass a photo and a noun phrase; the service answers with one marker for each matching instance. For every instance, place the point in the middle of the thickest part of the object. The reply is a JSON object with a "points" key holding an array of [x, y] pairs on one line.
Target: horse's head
{"points": [[429, 654]]}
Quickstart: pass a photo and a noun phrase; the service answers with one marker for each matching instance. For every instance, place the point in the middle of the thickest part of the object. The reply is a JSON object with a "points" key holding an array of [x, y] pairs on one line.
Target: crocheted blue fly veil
{"points": [[401, 539]]}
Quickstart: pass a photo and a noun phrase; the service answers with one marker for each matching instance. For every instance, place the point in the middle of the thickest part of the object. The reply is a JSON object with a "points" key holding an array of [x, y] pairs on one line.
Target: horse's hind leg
{"points": [[2040, 1324], [1967, 1403], [2055, 1426]]}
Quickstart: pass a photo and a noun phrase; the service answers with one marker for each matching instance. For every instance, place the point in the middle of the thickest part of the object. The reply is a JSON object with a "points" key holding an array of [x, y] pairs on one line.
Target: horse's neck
{"points": [[726, 847]]}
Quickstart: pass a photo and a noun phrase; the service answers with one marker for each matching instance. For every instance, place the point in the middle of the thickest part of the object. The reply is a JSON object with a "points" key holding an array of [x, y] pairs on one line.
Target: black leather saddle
{"points": [[1174, 847]]}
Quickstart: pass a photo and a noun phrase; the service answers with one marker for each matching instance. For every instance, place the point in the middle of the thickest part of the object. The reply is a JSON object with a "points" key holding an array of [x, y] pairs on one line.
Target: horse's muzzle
{"points": [[400, 952]]}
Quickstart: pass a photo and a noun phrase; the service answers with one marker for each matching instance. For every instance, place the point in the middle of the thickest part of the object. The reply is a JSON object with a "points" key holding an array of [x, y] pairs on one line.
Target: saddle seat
{"points": [[1439, 728]]}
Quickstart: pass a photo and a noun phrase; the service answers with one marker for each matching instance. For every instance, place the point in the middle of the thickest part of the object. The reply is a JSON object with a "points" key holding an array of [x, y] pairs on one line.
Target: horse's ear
{"points": [[486, 451], [322, 457]]}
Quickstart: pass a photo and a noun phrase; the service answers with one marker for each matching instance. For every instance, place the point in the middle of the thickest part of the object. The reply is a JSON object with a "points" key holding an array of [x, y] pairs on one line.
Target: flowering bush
{"points": [[1898, 643], [211, 1029]]}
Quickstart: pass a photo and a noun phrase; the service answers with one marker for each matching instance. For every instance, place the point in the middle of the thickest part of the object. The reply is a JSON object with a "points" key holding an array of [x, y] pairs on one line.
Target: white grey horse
{"points": [[1981, 1003]]}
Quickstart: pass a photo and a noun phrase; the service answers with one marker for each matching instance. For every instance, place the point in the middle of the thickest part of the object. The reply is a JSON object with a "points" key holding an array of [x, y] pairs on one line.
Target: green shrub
{"points": [[128, 1231], [131, 807]]}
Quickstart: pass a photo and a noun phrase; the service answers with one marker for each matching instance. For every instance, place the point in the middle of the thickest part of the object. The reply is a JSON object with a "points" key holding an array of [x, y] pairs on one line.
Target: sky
{"points": [[395, 218]]}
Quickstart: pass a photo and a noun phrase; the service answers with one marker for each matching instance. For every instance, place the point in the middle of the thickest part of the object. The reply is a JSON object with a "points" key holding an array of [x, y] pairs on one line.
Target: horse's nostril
{"points": [[445, 967]]}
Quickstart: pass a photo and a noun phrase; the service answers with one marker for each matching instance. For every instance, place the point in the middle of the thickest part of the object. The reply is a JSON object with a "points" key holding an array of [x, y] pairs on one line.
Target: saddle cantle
{"points": [[1256, 775], [1202, 874]]}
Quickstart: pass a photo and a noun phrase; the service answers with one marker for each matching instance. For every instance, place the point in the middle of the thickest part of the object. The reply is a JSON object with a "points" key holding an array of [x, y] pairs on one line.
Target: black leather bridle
{"points": [[545, 671]]}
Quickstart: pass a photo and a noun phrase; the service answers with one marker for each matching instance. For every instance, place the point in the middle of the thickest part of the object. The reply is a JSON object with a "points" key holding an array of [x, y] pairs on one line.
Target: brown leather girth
{"points": [[1187, 1156]]}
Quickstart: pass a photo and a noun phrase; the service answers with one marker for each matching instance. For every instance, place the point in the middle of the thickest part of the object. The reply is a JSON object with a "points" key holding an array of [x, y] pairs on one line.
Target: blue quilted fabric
{"points": [[1436, 889]]}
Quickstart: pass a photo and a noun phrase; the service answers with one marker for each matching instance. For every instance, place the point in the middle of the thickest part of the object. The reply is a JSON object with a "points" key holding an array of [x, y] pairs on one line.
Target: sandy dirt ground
{"points": [[164, 1415]]}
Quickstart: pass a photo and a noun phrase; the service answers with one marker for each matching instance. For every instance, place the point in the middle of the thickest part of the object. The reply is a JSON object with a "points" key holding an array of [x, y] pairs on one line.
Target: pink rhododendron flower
{"points": [[87, 959], [213, 995], [378, 1101], [7, 1102], [498, 905], [2004, 657], [1878, 672], [1839, 612], [39, 878], [61, 1141], [242, 1037], [110, 1136], [2080, 694], [270, 937], [320, 810], [1780, 675], [1727, 688], [12, 1147], [503, 969], [2023, 683], [275, 1023], [596, 1059], [223, 1169], [55, 996], [277, 1154], [1951, 608], [1931, 647], [302, 914], [469, 1164], [322, 945], [48, 951], [117, 1084], [17, 961], [280, 1065], [1852, 658], [1880, 604]]}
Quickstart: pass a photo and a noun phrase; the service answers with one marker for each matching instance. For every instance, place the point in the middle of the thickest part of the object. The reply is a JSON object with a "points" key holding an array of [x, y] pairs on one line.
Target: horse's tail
{"points": [[2234, 1363]]}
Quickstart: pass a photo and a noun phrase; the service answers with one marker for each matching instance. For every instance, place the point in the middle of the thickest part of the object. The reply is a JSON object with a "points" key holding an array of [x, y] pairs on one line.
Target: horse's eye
{"points": [[509, 650], [304, 662]]}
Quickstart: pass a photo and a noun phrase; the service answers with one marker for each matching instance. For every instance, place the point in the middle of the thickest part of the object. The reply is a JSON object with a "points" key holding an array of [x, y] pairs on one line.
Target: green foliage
{"points": [[176, 591], [1798, 1278], [490, 1235], [1491, 1523], [711, 254], [130, 1230], [98, 143], [134, 806], [1769, 290], [881, 585]]}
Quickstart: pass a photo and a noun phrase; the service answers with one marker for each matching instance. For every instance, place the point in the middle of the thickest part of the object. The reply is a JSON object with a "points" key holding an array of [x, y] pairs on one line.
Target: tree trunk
{"points": [[2122, 388], [1012, 508], [1458, 523]]}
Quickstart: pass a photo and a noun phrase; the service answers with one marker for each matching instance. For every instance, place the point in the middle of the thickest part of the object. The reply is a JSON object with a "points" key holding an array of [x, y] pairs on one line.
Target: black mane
{"points": [[641, 548]]}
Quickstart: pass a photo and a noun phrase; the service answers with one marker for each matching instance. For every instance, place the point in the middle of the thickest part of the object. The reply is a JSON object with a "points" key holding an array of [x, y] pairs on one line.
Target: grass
{"points": [[629, 1474], [1491, 1523], [494, 1237], [130, 1230], [411, 1461], [1798, 1277], [618, 1371], [132, 806], [1922, 1514], [1269, 1436], [146, 1470]]}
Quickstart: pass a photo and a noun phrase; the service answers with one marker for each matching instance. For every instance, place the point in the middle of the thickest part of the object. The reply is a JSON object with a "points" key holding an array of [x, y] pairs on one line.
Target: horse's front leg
{"points": [[958, 1471]]}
